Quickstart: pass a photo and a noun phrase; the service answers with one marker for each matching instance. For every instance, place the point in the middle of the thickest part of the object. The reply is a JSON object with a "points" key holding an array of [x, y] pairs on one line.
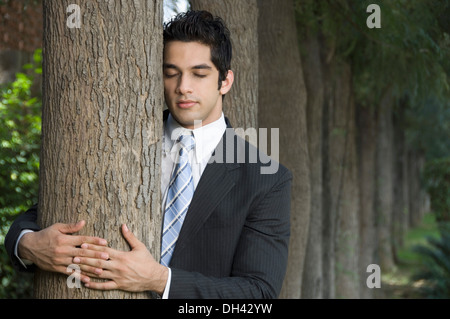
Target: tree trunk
{"points": [[366, 122], [423, 196], [282, 104], [328, 218], [312, 69], [384, 183], [399, 205], [101, 127], [344, 184], [241, 17], [405, 186], [415, 164]]}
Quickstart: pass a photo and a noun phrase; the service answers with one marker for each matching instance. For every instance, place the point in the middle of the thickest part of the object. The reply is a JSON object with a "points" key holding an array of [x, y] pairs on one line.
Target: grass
{"points": [[397, 283]]}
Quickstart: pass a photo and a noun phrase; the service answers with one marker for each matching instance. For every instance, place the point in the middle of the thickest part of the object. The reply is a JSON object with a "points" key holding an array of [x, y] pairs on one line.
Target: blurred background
{"points": [[377, 116]]}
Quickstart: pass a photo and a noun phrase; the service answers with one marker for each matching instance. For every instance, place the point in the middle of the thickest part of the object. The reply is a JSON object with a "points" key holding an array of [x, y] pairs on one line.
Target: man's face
{"points": [[190, 83]]}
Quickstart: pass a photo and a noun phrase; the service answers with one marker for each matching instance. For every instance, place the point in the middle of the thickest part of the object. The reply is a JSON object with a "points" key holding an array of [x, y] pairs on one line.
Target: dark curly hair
{"points": [[203, 27]]}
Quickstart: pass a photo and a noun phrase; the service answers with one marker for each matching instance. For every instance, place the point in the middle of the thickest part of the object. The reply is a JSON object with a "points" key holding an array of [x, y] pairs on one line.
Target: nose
{"points": [[184, 85]]}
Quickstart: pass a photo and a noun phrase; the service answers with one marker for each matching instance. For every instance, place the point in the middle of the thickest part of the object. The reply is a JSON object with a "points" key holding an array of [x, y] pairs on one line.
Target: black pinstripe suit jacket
{"points": [[234, 240]]}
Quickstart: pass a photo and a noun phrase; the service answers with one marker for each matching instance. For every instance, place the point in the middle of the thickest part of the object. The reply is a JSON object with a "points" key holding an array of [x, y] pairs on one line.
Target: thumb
{"points": [[130, 238], [71, 228]]}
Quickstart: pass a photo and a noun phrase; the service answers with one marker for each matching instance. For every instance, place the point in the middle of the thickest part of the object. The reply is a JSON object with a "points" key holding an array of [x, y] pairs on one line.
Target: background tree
{"points": [[254, 99], [402, 63], [20, 25], [311, 53], [241, 104], [282, 104], [370, 109], [101, 124]]}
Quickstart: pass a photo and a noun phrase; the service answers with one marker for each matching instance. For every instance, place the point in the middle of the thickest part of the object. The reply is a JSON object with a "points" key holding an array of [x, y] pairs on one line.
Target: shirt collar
{"points": [[206, 137]]}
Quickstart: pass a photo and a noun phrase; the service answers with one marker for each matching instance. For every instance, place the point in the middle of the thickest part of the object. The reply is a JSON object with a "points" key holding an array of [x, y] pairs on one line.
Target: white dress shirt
{"points": [[206, 139]]}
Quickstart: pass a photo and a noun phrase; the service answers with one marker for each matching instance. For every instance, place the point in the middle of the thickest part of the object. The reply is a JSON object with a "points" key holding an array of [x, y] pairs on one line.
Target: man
{"points": [[226, 225]]}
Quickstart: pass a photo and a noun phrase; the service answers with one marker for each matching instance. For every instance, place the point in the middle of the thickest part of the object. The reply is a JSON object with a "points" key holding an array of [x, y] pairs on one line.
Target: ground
{"points": [[397, 283]]}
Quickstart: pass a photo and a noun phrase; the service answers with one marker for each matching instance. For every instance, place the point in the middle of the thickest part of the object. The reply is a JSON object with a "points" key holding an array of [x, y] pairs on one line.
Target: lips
{"points": [[186, 104]]}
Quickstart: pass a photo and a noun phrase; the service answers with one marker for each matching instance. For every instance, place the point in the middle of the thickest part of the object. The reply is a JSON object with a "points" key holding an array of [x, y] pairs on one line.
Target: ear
{"points": [[227, 83]]}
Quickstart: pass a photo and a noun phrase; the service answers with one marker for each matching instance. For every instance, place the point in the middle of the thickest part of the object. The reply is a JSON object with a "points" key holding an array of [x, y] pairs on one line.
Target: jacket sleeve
{"points": [[24, 221], [260, 261]]}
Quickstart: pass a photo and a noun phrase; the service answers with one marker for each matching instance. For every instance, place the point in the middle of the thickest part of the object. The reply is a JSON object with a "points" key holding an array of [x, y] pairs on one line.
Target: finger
{"points": [[90, 240], [106, 285], [63, 261], [63, 270], [84, 251], [71, 228], [79, 275], [70, 271], [99, 250], [86, 276], [105, 274], [77, 241], [92, 262], [93, 272], [130, 238]]}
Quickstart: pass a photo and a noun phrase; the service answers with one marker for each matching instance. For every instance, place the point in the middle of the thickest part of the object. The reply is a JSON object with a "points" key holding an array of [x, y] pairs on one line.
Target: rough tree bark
{"points": [[241, 17], [282, 104], [101, 127]]}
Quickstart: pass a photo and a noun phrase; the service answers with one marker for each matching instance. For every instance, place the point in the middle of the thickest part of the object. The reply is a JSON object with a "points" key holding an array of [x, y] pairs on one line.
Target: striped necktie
{"points": [[179, 195]]}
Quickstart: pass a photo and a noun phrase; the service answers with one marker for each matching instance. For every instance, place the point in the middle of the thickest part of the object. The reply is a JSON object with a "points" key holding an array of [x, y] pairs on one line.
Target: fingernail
{"points": [[84, 246], [105, 256], [103, 242], [125, 228], [76, 260]]}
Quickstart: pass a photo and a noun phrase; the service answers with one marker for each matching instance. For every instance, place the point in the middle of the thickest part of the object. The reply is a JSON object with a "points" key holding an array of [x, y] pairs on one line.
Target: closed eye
{"points": [[170, 75]]}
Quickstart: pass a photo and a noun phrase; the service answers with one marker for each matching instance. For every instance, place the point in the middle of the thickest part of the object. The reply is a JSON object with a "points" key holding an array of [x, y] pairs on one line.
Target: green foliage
{"points": [[428, 128], [409, 54], [408, 57], [435, 271], [437, 177], [13, 285], [436, 255], [20, 129]]}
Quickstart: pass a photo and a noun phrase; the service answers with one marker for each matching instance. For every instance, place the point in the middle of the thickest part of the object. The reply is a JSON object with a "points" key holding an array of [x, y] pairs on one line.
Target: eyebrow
{"points": [[195, 67], [202, 67]]}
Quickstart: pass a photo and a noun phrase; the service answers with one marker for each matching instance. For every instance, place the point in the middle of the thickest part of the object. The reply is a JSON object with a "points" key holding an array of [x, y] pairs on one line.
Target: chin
{"points": [[186, 121]]}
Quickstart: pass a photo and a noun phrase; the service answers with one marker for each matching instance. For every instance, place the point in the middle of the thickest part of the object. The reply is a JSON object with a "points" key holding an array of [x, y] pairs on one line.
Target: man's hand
{"points": [[53, 248], [134, 270]]}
